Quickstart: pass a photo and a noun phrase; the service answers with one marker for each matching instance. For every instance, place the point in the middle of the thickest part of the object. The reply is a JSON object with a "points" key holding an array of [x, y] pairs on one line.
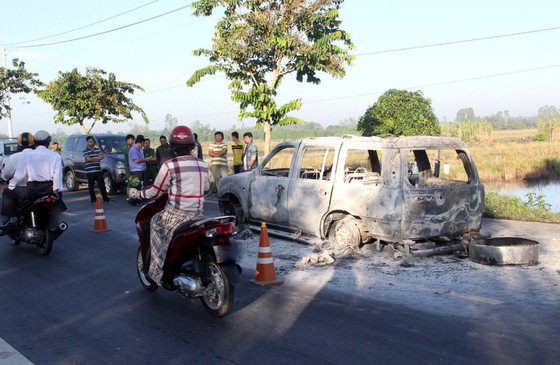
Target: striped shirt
{"points": [[92, 166], [184, 179], [219, 160]]}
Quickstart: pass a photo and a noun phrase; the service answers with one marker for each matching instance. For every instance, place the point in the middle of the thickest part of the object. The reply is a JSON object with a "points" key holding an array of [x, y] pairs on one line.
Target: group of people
{"points": [[245, 157], [32, 171], [176, 168]]}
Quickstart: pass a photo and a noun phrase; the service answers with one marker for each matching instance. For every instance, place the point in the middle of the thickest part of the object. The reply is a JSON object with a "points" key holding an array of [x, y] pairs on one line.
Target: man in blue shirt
{"points": [[137, 162], [93, 157]]}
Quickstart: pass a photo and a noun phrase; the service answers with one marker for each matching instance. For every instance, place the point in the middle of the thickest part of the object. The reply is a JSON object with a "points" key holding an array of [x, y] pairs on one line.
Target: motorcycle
{"points": [[200, 261], [39, 222]]}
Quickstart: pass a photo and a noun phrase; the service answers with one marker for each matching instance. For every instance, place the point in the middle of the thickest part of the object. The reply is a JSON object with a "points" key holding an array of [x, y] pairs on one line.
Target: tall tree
{"points": [[399, 112], [465, 115], [257, 43], [170, 122], [95, 96], [548, 112], [14, 81]]}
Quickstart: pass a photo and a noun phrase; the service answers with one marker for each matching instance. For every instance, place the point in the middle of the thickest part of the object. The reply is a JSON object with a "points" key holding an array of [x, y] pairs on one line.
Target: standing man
{"points": [[197, 151], [93, 157], [237, 149], [56, 148], [41, 168], [151, 166], [218, 153], [163, 152], [126, 151], [251, 153], [137, 162]]}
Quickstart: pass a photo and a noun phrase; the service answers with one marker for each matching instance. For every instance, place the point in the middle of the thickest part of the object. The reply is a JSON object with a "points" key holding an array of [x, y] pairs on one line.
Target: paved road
{"points": [[83, 304]]}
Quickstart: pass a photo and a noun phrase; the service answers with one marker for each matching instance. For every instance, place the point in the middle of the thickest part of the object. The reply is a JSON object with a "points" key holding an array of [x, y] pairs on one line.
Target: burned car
{"points": [[357, 190]]}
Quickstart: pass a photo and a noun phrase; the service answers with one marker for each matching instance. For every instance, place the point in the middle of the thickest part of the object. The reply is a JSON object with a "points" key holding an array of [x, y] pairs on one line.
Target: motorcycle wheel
{"points": [[218, 298], [145, 280], [45, 247]]}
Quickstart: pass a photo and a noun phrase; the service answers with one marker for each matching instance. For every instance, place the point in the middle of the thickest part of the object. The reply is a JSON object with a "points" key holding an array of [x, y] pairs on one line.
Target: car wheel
{"points": [[232, 207], [346, 232], [109, 184], [70, 181]]}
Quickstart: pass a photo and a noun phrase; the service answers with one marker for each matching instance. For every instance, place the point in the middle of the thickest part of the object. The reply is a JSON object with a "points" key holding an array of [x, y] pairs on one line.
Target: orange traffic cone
{"points": [[266, 273], [99, 223]]}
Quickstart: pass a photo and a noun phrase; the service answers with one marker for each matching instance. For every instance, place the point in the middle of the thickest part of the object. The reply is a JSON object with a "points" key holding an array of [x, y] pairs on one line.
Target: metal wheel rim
{"points": [[108, 183], [69, 180], [215, 293]]}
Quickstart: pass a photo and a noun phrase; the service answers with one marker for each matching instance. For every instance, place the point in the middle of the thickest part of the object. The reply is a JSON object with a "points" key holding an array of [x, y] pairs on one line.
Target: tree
{"points": [[548, 112], [257, 43], [15, 81], [95, 96], [465, 115], [399, 112], [170, 122]]}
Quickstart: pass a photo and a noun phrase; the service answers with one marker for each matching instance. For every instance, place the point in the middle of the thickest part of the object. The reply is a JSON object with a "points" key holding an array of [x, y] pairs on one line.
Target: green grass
{"points": [[535, 209]]}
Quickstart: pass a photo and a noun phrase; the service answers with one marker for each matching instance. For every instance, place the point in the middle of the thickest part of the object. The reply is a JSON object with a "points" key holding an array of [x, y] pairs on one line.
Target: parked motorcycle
{"points": [[200, 260], [39, 222]]}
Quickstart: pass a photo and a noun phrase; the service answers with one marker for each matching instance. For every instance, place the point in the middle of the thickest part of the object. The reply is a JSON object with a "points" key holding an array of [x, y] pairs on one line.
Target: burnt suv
{"points": [[356, 190], [112, 166]]}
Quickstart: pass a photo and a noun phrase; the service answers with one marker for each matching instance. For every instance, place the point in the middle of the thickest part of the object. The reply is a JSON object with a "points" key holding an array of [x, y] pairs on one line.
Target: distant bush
{"points": [[512, 207]]}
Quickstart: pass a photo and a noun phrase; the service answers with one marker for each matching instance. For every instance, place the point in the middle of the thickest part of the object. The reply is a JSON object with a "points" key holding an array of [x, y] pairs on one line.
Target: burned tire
{"points": [[231, 207], [346, 232], [504, 251]]}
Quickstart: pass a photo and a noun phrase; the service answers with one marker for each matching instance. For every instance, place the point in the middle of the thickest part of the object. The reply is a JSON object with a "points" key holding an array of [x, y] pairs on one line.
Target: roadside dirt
{"points": [[440, 284]]}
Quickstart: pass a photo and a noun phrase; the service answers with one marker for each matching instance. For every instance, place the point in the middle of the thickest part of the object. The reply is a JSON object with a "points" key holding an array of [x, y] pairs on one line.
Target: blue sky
{"points": [[157, 55]]}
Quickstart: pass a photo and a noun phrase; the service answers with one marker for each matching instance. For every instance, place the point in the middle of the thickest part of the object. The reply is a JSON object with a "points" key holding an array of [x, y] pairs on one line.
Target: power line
{"points": [[457, 42], [438, 83], [107, 31], [85, 26]]}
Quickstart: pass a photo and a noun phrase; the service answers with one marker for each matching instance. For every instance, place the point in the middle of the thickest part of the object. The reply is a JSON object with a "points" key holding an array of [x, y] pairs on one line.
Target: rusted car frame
{"points": [[361, 189]]}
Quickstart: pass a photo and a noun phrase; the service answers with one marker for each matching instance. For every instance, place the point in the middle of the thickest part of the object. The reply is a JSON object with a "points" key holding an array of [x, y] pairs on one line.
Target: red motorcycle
{"points": [[200, 262]]}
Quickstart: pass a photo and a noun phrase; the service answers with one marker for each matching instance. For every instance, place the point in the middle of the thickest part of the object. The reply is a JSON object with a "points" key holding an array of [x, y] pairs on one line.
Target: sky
{"points": [[516, 73]]}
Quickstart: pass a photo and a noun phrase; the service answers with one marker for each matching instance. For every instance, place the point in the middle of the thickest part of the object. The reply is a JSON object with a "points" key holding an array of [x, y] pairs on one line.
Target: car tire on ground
{"points": [[109, 183], [346, 231], [70, 181]]}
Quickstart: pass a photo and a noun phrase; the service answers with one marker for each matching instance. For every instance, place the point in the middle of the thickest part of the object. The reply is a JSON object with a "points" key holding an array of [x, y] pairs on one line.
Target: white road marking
{"points": [[9, 355]]}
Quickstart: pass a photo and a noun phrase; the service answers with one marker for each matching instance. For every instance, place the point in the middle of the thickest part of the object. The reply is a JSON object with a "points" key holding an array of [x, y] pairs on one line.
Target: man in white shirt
{"points": [[25, 145], [41, 169]]}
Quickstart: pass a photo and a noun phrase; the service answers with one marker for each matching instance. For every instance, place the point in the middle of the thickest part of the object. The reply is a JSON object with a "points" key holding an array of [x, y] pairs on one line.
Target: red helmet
{"points": [[181, 135]]}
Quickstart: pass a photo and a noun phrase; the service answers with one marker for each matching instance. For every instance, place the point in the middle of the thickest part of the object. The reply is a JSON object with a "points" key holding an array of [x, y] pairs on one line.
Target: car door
{"points": [[268, 192], [78, 158], [309, 193]]}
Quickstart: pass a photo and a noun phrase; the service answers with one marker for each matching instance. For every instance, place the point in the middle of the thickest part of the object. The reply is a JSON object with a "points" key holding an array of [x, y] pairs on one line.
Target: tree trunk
{"points": [[267, 129]]}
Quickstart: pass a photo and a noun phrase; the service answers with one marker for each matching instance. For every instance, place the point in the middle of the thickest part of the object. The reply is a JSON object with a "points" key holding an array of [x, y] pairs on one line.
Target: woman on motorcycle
{"points": [[185, 179]]}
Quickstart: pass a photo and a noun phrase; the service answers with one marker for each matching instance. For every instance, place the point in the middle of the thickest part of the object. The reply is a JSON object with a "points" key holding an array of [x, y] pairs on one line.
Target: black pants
{"points": [[92, 177], [11, 198]]}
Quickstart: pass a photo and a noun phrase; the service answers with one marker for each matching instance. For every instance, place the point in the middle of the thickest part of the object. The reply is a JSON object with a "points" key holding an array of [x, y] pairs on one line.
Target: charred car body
{"points": [[356, 190]]}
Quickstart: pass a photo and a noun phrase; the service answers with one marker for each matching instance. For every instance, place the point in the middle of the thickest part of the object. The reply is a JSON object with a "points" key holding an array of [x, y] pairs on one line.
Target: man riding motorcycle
{"points": [[40, 171], [185, 179], [25, 145]]}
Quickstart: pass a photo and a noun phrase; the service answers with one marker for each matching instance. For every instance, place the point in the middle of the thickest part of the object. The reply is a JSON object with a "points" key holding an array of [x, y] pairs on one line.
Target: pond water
{"points": [[550, 191]]}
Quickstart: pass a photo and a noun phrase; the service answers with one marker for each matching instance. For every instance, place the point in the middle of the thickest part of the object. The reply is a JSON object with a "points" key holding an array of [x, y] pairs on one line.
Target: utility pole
{"points": [[9, 116]]}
